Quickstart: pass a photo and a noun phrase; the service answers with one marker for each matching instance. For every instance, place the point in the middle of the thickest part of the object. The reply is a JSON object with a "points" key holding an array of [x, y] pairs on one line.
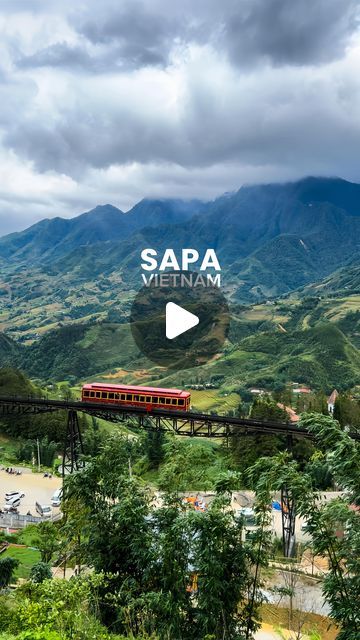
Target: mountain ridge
{"points": [[52, 238], [270, 239]]}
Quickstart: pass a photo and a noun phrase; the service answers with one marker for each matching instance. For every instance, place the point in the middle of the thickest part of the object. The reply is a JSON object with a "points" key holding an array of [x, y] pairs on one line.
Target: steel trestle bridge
{"points": [[191, 424], [179, 422]]}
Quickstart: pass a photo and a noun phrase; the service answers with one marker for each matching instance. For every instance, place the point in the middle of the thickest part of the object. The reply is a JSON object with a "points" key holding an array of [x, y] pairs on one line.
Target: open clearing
{"points": [[35, 487], [211, 400]]}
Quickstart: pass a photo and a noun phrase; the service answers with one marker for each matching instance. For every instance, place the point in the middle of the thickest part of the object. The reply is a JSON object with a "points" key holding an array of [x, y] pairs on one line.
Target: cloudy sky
{"points": [[117, 100]]}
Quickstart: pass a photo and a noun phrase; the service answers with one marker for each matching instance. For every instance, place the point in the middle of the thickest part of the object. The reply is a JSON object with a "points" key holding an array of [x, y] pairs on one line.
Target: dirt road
{"points": [[35, 487]]}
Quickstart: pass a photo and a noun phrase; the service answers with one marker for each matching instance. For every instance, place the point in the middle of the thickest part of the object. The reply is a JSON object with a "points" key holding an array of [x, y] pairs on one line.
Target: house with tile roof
{"points": [[292, 415]]}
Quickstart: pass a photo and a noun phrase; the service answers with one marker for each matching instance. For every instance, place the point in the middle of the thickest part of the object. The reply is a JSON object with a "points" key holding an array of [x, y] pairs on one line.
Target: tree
{"points": [[40, 571], [187, 465], [60, 609], [347, 411], [223, 564], [154, 448], [148, 556], [7, 568], [47, 449], [267, 409], [333, 526], [47, 540], [116, 525], [72, 532], [318, 468]]}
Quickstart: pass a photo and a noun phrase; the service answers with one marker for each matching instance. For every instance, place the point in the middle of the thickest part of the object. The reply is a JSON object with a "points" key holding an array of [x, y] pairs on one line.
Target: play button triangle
{"points": [[178, 320]]}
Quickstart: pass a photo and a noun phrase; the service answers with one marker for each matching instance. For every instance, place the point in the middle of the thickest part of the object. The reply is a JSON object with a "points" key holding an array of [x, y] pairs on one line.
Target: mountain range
{"points": [[278, 244], [270, 239]]}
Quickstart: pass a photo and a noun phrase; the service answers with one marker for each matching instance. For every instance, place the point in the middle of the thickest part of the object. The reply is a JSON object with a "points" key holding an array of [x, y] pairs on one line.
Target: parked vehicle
{"points": [[56, 499], [11, 494], [14, 501], [44, 510]]}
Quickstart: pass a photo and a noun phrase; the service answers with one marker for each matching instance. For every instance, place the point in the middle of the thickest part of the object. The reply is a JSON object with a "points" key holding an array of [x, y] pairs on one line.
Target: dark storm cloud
{"points": [[187, 99], [284, 31], [96, 140], [120, 37], [139, 35], [289, 32], [134, 34]]}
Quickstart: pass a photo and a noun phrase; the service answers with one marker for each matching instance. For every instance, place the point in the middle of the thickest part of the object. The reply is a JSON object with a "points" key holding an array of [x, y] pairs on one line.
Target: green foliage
{"points": [[153, 443], [52, 425], [25, 557], [149, 556], [39, 635], [245, 450], [7, 568], [267, 409], [28, 450], [224, 581], [25, 451], [319, 470], [334, 526], [40, 571], [13, 382], [347, 411], [46, 540], [189, 465], [64, 607]]}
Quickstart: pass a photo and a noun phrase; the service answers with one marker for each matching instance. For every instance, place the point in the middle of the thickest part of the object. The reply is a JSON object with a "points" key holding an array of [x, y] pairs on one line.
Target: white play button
{"points": [[178, 320]]}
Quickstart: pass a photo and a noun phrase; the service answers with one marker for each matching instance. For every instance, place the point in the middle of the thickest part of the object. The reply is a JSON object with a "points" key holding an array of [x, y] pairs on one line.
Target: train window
{"points": [[111, 396], [142, 398], [92, 394], [136, 398], [155, 400], [86, 394], [123, 396], [174, 401], [98, 394], [104, 395], [128, 396], [162, 400], [168, 400], [181, 401], [148, 399]]}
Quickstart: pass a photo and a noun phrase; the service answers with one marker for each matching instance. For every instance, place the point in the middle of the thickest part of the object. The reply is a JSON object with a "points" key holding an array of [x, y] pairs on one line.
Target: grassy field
{"points": [[214, 400], [278, 617], [26, 556]]}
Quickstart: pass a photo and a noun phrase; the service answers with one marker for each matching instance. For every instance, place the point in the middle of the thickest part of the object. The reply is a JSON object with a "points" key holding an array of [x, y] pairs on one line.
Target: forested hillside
{"points": [[289, 257]]}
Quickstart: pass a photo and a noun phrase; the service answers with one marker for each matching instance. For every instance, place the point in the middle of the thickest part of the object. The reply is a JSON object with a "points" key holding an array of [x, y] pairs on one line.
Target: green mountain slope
{"points": [[312, 341], [82, 350], [48, 240], [341, 282], [71, 311], [10, 351]]}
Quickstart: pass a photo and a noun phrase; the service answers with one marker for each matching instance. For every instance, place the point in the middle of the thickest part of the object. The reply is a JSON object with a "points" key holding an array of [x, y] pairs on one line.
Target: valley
{"points": [[312, 340], [65, 300]]}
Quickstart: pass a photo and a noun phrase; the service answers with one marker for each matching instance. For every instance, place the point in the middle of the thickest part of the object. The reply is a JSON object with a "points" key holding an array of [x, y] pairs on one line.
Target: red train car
{"points": [[147, 397]]}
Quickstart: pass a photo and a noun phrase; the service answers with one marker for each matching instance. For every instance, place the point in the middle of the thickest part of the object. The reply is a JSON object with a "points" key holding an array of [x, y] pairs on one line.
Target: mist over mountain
{"points": [[68, 285], [51, 238], [270, 239]]}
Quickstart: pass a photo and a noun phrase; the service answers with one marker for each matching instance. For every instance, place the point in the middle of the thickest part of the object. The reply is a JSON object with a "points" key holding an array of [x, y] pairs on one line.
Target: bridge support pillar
{"points": [[73, 449], [288, 514]]}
